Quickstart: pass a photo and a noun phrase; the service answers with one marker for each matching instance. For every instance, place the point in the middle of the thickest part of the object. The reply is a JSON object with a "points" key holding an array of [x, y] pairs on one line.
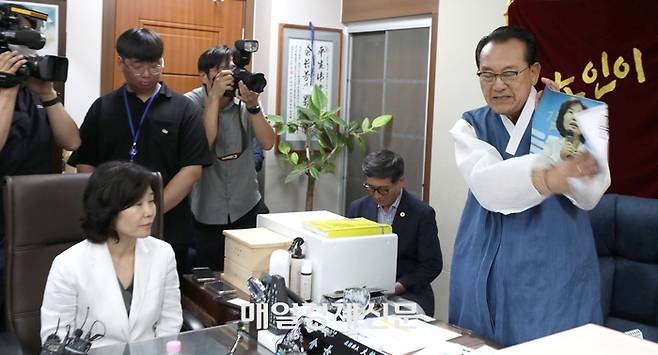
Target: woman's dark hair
{"points": [[383, 164], [506, 33], [113, 187], [140, 44], [559, 121], [213, 57]]}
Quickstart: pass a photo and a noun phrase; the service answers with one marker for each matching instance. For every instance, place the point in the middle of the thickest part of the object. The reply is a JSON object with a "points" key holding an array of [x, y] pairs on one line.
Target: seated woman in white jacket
{"points": [[125, 279]]}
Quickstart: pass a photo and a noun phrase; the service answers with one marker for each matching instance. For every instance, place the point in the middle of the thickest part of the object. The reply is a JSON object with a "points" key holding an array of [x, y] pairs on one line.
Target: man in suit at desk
{"points": [[419, 259]]}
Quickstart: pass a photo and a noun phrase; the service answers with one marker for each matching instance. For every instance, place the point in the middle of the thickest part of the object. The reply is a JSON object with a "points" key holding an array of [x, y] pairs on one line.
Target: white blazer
{"points": [[83, 277]]}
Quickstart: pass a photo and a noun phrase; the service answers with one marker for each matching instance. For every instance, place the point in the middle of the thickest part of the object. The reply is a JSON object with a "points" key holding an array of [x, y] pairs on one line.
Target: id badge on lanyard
{"points": [[132, 153]]}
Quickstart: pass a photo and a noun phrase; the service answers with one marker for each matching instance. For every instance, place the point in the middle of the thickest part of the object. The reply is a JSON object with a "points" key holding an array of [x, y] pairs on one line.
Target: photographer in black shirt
{"points": [[32, 121]]}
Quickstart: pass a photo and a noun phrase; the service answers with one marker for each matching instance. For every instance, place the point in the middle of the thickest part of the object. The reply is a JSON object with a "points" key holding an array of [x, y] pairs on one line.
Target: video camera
{"points": [[46, 68], [241, 58]]}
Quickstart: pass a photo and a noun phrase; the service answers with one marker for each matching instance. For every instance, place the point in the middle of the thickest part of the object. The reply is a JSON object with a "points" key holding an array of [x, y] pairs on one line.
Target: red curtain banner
{"points": [[608, 51]]}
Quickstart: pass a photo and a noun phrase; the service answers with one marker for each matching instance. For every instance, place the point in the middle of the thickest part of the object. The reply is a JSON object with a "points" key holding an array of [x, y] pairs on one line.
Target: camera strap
{"points": [[244, 139], [135, 133], [9, 80]]}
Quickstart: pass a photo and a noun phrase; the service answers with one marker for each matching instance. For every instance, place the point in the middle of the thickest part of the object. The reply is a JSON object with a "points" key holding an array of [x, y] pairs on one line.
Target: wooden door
{"points": [[187, 28]]}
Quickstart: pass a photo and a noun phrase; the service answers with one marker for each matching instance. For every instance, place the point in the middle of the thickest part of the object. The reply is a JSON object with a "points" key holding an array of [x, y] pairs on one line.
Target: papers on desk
{"points": [[395, 335], [445, 348], [239, 302]]}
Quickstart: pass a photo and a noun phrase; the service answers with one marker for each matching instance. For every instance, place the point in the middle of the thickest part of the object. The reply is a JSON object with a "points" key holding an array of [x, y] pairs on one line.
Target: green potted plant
{"points": [[332, 134]]}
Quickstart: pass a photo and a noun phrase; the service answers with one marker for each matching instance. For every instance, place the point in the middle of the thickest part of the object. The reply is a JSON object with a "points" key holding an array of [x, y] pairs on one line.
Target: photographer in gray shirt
{"points": [[226, 196]]}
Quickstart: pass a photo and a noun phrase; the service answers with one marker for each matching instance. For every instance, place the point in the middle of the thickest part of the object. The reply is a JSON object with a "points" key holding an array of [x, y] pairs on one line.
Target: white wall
{"points": [[84, 20], [461, 25], [281, 197]]}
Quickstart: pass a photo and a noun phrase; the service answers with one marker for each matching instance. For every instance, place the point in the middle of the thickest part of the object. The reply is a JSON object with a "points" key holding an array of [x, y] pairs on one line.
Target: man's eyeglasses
{"points": [[154, 68], [507, 76], [382, 190]]}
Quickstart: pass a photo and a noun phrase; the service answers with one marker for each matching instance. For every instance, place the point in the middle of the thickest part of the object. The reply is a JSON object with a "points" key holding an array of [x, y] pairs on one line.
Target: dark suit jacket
{"points": [[419, 253]]}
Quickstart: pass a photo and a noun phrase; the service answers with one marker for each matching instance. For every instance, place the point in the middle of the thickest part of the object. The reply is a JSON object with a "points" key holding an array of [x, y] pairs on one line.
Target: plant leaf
{"points": [[361, 142], [274, 119], [382, 120], [309, 113], [365, 124], [313, 107], [295, 174], [294, 158], [284, 148], [314, 173], [335, 111], [333, 116], [319, 98], [322, 141], [281, 129], [328, 117], [333, 138], [342, 139]]}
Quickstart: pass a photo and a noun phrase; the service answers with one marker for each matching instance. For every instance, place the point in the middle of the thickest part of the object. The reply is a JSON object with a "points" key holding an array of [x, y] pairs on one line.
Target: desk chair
{"points": [[42, 217], [626, 236]]}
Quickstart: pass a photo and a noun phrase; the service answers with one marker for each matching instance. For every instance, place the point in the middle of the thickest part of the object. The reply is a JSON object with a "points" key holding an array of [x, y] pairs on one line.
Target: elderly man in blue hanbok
{"points": [[524, 263]]}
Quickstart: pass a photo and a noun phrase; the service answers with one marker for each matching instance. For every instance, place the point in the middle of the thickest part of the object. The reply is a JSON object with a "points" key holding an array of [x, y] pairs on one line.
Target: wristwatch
{"points": [[253, 110], [51, 102]]}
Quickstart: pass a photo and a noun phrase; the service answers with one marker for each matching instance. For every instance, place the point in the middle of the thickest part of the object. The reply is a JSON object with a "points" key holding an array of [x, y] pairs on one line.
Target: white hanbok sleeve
{"points": [[499, 185], [587, 191]]}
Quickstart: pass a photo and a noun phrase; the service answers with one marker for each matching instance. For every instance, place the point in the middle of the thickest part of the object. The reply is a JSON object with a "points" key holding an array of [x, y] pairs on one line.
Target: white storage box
{"points": [[339, 263]]}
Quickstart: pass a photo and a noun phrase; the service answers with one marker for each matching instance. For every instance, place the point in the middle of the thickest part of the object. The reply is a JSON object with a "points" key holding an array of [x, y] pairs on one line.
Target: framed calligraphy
{"points": [[297, 74]]}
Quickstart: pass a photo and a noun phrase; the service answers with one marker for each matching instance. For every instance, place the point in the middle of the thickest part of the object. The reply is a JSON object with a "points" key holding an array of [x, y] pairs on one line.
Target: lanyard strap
{"points": [[135, 133]]}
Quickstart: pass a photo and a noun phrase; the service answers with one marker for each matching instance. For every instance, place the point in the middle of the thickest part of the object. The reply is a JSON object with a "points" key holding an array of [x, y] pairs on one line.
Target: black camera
{"points": [[241, 58], [46, 68]]}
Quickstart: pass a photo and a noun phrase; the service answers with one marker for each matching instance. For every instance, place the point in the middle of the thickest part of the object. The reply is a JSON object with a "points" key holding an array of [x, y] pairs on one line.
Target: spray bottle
{"points": [[296, 260]]}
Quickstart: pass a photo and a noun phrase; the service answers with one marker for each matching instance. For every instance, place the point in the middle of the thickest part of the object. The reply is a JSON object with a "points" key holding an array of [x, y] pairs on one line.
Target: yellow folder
{"points": [[340, 228]]}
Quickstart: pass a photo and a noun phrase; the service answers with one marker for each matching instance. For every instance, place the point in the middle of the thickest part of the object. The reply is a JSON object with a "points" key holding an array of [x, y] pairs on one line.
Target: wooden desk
{"points": [[213, 310], [467, 337], [210, 309], [215, 340], [587, 339]]}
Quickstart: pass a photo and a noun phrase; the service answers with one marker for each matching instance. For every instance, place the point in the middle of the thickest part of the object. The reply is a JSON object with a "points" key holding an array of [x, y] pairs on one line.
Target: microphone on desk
{"points": [[53, 344], [69, 345], [78, 343]]}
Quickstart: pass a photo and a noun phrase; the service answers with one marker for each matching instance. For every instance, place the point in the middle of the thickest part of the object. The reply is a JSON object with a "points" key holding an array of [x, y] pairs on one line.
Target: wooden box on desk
{"points": [[247, 253]]}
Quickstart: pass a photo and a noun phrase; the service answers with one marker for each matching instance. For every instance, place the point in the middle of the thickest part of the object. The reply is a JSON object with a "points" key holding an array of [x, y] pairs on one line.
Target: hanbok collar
{"points": [[516, 131]]}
